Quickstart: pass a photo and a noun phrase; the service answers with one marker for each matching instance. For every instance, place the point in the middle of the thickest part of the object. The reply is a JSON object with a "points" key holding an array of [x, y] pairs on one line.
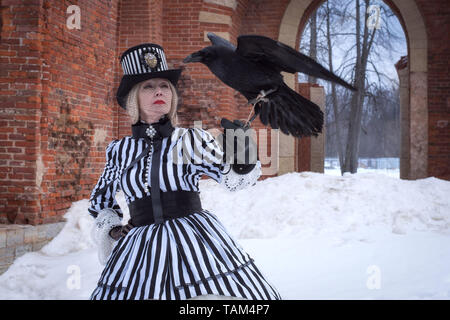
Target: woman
{"points": [[171, 248]]}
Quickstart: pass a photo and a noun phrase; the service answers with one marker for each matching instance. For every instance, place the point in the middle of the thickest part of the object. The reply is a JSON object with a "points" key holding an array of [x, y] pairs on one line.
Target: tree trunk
{"points": [[357, 101], [313, 43], [333, 91]]}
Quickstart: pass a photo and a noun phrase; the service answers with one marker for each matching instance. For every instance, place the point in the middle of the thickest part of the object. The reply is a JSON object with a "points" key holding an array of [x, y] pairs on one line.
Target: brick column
{"points": [[310, 151], [405, 158]]}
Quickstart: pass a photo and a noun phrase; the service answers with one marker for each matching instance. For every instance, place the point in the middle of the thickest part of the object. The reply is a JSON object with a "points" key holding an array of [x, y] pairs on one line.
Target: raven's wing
{"points": [[281, 57], [293, 114], [219, 41]]}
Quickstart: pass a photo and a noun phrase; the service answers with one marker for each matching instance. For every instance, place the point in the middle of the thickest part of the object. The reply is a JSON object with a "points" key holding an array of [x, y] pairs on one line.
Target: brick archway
{"points": [[416, 153]]}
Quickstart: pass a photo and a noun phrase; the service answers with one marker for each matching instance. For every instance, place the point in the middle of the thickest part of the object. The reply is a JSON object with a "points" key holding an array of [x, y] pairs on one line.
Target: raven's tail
{"points": [[293, 114]]}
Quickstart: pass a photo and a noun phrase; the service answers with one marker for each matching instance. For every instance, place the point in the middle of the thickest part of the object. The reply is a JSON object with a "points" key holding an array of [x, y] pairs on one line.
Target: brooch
{"points": [[150, 60], [150, 131]]}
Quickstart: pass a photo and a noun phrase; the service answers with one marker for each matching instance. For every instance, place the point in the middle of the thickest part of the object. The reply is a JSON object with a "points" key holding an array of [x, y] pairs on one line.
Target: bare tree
{"points": [[313, 42], [334, 100], [365, 48]]}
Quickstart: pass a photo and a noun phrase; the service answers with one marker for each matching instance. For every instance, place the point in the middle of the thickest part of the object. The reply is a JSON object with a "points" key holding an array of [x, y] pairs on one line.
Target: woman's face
{"points": [[155, 98]]}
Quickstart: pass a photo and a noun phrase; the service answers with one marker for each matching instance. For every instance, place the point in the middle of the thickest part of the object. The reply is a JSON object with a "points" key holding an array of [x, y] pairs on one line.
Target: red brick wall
{"points": [[80, 101], [55, 92], [437, 21], [18, 118]]}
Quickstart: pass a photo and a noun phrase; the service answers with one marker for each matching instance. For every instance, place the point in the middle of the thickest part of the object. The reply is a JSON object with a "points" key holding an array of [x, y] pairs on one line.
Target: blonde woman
{"points": [[171, 248]]}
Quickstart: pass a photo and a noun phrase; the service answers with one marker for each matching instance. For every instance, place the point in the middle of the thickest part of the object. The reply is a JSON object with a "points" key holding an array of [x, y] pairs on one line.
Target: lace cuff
{"points": [[106, 220], [233, 181]]}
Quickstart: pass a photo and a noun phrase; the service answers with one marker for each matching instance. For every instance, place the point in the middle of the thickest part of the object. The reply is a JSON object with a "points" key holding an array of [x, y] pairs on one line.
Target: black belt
{"points": [[175, 204]]}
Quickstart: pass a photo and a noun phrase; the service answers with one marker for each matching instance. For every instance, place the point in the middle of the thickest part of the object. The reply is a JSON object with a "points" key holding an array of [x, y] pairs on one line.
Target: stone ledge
{"points": [[226, 3], [16, 240], [210, 17]]}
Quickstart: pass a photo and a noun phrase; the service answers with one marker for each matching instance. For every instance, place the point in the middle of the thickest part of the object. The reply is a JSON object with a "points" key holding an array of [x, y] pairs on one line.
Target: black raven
{"points": [[254, 69]]}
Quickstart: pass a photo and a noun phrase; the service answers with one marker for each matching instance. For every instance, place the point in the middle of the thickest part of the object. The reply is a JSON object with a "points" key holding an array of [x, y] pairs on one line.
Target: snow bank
{"points": [[299, 204], [75, 235]]}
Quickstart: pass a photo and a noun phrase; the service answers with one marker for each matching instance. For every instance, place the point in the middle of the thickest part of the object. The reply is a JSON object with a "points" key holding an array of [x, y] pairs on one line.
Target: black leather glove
{"points": [[120, 231], [242, 151]]}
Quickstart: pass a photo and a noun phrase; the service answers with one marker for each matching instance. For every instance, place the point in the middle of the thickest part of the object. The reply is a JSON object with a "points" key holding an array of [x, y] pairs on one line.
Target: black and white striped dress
{"points": [[183, 257]]}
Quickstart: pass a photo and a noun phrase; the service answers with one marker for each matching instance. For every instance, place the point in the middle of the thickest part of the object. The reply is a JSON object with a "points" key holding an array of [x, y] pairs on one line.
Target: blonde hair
{"points": [[132, 104]]}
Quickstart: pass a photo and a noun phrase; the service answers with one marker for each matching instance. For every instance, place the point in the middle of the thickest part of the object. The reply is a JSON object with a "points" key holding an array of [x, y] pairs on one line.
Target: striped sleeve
{"points": [[213, 164], [208, 155], [103, 194]]}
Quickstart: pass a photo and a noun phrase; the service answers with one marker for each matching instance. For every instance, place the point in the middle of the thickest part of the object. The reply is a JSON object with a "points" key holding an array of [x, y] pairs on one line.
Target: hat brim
{"points": [[128, 82]]}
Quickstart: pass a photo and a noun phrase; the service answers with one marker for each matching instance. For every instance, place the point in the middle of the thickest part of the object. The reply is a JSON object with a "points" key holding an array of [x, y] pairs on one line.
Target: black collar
{"points": [[163, 128]]}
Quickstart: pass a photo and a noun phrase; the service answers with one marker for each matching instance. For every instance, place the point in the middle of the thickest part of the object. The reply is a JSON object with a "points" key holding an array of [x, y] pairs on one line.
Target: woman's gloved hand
{"points": [[118, 232], [238, 146]]}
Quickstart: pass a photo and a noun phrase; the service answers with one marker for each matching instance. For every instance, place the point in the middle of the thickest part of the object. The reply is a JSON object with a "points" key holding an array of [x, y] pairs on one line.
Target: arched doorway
{"points": [[414, 154]]}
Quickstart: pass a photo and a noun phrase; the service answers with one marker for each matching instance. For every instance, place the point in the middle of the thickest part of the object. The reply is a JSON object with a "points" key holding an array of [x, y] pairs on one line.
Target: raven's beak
{"points": [[194, 57]]}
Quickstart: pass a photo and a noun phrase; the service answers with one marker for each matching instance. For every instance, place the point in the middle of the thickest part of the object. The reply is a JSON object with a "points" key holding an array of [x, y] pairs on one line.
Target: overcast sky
{"points": [[384, 60]]}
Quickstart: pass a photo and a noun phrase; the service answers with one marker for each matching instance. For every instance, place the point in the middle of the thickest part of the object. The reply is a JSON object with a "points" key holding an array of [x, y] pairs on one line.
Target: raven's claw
{"points": [[262, 96]]}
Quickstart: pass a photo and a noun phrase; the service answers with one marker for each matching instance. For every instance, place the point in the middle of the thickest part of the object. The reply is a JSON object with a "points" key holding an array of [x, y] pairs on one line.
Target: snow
{"points": [[314, 236], [394, 173]]}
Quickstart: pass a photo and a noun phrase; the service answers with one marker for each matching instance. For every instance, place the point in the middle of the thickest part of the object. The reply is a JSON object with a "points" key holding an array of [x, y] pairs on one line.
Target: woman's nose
{"points": [[158, 91]]}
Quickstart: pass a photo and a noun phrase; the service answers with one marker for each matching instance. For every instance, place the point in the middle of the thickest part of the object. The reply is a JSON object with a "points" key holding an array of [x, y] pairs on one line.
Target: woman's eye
{"points": [[148, 86]]}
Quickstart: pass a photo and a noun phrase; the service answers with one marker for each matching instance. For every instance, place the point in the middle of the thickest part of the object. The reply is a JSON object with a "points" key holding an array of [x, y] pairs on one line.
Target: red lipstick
{"points": [[159, 102]]}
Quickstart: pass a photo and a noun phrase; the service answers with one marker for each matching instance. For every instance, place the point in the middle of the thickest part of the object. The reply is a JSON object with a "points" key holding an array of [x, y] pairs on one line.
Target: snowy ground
{"points": [[394, 173], [315, 236]]}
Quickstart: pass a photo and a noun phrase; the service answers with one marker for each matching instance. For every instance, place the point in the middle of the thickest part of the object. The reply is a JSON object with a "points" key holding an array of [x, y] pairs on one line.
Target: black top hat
{"points": [[140, 63]]}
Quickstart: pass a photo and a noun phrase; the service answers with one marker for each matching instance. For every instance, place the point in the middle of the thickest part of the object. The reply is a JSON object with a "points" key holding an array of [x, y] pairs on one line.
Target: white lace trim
{"points": [[106, 220], [233, 181]]}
